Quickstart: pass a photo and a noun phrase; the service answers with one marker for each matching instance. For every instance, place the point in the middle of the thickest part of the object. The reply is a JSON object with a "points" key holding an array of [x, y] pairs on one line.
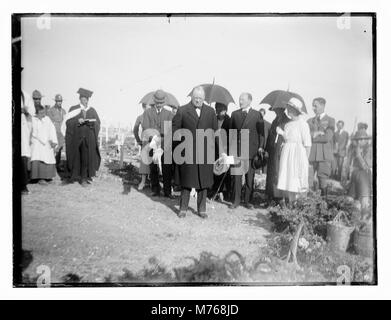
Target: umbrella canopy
{"points": [[279, 98], [216, 93], [170, 99]]}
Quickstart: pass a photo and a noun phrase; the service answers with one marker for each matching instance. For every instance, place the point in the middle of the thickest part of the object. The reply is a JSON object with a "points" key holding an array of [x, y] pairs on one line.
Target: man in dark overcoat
{"points": [[197, 169]]}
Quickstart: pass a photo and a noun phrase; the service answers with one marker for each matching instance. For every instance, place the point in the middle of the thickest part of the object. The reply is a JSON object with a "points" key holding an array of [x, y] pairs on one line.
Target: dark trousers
{"points": [[167, 177], [339, 160], [25, 173], [201, 200], [323, 171], [237, 186]]}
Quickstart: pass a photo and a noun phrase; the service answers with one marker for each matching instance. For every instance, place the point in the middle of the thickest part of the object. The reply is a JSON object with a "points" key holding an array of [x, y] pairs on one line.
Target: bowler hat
{"points": [[220, 166], [159, 96]]}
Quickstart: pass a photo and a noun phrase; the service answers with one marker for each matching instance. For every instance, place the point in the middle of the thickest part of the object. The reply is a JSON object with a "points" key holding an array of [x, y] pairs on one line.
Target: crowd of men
{"points": [[47, 131]]}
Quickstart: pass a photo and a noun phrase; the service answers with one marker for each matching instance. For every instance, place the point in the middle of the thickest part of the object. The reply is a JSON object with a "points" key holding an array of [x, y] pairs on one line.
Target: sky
{"points": [[122, 58]]}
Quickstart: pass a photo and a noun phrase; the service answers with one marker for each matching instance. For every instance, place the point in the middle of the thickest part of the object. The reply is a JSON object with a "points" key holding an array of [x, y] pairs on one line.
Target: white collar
{"points": [[321, 116], [83, 107], [247, 109]]}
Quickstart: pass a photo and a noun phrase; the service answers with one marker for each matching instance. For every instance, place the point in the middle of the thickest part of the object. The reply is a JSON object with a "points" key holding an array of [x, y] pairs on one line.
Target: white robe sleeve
{"points": [[52, 132]]}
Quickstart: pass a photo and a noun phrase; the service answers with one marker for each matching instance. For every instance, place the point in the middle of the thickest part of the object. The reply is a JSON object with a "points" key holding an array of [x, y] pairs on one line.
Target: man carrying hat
{"points": [[57, 114], [154, 119], [81, 140]]}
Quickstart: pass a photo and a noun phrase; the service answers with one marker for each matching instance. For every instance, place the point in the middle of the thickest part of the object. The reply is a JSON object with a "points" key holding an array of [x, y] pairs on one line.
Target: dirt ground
{"points": [[97, 231]]}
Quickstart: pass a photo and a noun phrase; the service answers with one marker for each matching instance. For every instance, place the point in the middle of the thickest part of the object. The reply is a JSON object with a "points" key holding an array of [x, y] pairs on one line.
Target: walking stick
{"points": [[220, 184]]}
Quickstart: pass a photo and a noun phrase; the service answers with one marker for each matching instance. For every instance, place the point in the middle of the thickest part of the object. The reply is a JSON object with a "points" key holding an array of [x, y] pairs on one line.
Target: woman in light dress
{"points": [[43, 142], [293, 174]]}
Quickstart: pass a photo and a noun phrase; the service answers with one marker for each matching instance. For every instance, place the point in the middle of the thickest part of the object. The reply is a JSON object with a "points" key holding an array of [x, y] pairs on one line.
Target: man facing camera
{"points": [[154, 118], [198, 172], [249, 119], [322, 132], [81, 140]]}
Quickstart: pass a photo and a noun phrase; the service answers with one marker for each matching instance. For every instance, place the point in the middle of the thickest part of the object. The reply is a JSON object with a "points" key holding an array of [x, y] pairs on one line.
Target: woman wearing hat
{"points": [[293, 173]]}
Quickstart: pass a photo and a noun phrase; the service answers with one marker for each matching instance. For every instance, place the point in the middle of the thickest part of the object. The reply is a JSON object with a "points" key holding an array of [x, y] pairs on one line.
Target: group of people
{"points": [[47, 132], [297, 155]]}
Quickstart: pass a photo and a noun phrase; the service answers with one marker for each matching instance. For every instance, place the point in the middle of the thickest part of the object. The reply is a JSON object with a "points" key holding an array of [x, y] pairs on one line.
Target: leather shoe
{"points": [[156, 194], [248, 206], [182, 214], [202, 215], [233, 206]]}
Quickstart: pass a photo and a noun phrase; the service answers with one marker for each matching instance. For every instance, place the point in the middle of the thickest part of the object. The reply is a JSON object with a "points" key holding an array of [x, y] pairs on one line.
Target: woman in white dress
{"points": [[43, 142], [293, 174]]}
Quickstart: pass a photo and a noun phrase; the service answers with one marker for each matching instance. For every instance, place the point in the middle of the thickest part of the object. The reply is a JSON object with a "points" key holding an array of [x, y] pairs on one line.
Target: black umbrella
{"points": [[216, 93], [279, 98]]}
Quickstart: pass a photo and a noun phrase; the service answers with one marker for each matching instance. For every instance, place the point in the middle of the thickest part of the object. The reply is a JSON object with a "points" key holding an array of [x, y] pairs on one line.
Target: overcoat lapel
{"points": [[202, 115], [193, 114], [246, 119]]}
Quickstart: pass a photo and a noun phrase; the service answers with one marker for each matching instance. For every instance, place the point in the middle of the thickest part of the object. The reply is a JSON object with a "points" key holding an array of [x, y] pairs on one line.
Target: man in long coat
{"points": [[81, 140], [249, 119], [322, 129], [156, 118], [199, 173]]}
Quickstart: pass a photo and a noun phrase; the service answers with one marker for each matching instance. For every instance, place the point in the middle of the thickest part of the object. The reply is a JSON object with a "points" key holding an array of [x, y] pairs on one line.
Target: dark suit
{"points": [[321, 155], [254, 123], [154, 120], [341, 140], [199, 173]]}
